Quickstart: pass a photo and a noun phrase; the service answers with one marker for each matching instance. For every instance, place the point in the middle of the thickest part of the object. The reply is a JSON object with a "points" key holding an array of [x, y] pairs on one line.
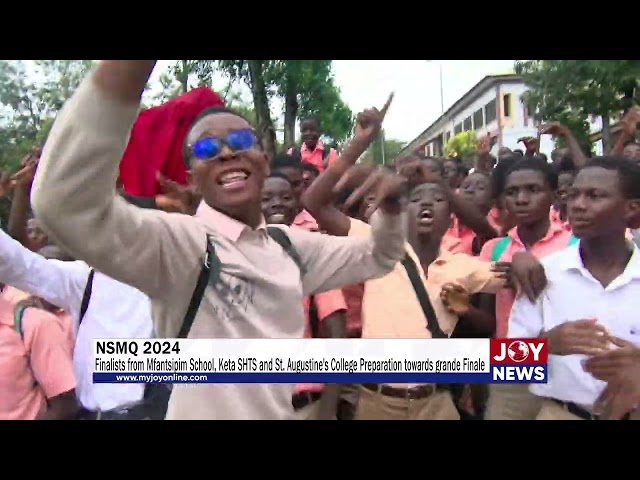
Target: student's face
{"points": [[632, 151], [428, 211], [308, 177], [451, 174], [527, 196], [37, 237], [565, 180], [297, 180], [230, 181], [596, 204], [476, 189], [278, 202], [310, 131]]}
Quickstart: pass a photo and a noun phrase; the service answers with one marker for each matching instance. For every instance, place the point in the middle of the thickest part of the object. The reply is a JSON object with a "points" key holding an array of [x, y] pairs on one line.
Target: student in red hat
{"points": [[155, 145]]}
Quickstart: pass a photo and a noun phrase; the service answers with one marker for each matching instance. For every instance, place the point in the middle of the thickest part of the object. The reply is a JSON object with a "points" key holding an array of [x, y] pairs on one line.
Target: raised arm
{"points": [[59, 283], [74, 194], [333, 262], [319, 198]]}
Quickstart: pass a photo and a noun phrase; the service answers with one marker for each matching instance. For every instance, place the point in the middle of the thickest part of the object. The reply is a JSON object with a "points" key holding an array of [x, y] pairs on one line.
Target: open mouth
{"points": [[425, 218], [234, 178]]}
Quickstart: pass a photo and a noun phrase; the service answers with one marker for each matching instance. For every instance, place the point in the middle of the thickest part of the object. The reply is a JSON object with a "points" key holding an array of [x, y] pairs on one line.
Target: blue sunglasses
{"points": [[210, 147]]}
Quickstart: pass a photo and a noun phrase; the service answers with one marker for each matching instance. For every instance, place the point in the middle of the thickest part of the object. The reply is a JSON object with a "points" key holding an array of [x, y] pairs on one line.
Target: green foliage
{"points": [[569, 91], [374, 153], [29, 100], [462, 145]]}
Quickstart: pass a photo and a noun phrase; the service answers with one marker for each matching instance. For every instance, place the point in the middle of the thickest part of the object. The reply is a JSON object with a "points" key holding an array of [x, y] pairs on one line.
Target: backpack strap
{"points": [[423, 297], [211, 266], [314, 319], [499, 248], [18, 313], [282, 239], [198, 292], [86, 297]]}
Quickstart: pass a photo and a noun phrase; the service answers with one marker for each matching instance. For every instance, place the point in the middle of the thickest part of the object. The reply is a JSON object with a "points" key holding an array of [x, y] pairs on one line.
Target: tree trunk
{"points": [[290, 115], [184, 76], [261, 106], [606, 134]]}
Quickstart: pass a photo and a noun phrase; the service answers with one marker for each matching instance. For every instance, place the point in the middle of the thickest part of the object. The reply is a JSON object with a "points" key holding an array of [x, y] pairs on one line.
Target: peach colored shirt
{"points": [[314, 157], [305, 221], [557, 238], [459, 238], [554, 216], [390, 308], [32, 368], [326, 303], [353, 296]]}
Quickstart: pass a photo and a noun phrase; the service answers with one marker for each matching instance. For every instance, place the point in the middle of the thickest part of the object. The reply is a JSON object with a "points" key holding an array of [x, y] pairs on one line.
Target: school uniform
{"points": [[571, 392], [390, 309], [257, 290]]}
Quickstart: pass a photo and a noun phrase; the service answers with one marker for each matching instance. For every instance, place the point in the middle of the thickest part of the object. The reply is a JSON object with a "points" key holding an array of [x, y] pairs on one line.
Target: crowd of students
{"points": [[234, 244]]}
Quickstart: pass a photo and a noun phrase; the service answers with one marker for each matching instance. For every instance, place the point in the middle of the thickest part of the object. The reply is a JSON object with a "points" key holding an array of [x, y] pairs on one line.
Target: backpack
{"points": [[211, 266], [502, 244]]}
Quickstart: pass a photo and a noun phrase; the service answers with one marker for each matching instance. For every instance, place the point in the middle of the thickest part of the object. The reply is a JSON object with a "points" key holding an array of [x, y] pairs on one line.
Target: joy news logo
{"points": [[518, 360]]}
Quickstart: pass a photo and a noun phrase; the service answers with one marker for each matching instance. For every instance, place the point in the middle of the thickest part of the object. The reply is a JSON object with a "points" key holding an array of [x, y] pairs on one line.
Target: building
{"points": [[493, 106]]}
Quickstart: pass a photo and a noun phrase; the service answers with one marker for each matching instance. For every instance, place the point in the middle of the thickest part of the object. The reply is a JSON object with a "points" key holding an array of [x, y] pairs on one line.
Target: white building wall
{"points": [[516, 125]]}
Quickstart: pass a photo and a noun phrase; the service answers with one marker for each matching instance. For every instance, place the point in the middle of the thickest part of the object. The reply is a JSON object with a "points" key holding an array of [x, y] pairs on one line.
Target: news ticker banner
{"points": [[320, 361]]}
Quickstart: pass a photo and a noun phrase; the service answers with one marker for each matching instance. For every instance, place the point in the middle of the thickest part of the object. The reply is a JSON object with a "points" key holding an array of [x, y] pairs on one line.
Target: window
{"points": [[457, 129], [506, 104], [447, 137], [490, 112], [478, 120], [467, 124]]}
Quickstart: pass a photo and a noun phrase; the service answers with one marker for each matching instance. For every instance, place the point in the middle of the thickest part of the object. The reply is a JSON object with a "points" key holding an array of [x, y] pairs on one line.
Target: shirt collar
{"points": [[319, 146], [573, 261], [223, 224], [554, 229]]}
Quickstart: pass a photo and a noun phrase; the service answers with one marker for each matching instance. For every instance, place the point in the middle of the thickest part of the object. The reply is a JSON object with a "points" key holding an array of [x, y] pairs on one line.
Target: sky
{"points": [[416, 83]]}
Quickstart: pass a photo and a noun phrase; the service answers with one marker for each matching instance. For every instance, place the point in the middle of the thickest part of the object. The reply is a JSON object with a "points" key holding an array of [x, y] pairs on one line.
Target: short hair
{"points": [[565, 165], [310, 168], [284, 160], [537, 164], [277, 174], [437, 161], [186, 152], [312, 118], [499, 173], [628, 173]]}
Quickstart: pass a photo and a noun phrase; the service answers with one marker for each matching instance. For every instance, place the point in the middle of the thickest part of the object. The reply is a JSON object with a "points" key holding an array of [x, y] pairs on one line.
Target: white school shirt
{"points": [[574, 294], [115, 310]]}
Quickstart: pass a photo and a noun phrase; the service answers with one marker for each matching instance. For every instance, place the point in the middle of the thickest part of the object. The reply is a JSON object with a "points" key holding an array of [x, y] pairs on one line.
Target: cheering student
{"points": [[603, 272], [219, 273]]}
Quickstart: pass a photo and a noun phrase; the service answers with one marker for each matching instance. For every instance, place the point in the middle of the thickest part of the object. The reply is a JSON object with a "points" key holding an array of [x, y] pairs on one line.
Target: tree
{"points": [[570, 91], [30, 102], [307, 88], [374, 153], [462, 145]]}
